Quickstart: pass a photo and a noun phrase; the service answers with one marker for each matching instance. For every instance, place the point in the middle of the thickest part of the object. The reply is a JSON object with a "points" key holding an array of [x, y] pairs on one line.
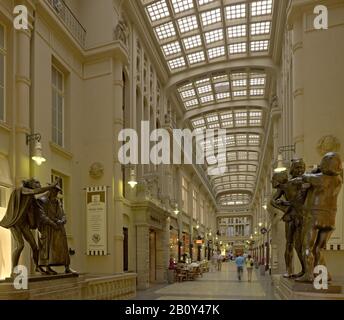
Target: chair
{"points": [[181, 274]]}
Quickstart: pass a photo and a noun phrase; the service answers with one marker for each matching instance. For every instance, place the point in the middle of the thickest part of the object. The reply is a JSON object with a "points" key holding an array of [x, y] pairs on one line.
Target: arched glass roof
{"points": [[196, 38]]}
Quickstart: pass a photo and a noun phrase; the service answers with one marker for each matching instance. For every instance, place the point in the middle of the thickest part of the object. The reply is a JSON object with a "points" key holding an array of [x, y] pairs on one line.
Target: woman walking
{"points": [[249, 267]]}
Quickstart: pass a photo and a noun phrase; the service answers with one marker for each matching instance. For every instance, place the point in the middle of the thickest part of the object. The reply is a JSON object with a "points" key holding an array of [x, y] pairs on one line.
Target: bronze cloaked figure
{"points": [[320, 212], [53, 245], [294, 192], [22, 216]]}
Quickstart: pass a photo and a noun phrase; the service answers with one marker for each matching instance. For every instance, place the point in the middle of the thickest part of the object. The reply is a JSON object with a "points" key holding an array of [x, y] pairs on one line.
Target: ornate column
{"points": [[117, 167], [22, 49], [142, 256]]}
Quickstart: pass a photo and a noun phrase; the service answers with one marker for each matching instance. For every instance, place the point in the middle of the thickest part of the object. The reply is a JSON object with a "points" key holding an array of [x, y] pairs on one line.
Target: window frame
{"points": [[63, 95]]}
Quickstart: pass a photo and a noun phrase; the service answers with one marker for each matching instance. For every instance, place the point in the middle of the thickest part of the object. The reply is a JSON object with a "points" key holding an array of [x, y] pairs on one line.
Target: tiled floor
{"points": [[218, 285]]}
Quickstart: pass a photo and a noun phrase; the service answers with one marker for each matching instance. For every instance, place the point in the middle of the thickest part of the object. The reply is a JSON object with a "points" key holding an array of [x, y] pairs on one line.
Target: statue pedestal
{"points": [[72, 287], [289, 289]]}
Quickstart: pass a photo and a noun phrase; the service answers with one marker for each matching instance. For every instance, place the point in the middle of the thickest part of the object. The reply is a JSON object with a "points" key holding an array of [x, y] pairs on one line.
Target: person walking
{"points": [[240, 261], [249, 267], [219, 261]]}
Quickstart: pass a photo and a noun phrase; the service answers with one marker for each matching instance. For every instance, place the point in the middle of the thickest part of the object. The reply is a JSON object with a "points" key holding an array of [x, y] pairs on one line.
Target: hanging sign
{"points": [[96, 209]]}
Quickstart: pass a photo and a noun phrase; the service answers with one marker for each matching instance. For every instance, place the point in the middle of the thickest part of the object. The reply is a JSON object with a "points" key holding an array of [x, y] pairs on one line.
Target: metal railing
{"points": [[67, 17]]}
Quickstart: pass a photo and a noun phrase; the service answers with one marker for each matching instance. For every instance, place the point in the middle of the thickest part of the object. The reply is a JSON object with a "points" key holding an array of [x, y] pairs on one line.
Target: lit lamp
{"points": [[197, 226], [280, 164], [251, 237], [37, 154], [265, 206], [176, 211], [260, 224], [132, 182]]}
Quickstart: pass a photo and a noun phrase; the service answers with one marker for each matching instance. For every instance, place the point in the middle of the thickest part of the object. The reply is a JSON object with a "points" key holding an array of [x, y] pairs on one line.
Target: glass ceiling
{"points": [[198, 33], [219, 88], [195, 32]]}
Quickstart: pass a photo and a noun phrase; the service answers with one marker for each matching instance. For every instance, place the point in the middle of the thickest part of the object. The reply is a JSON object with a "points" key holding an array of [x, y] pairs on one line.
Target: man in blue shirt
{"points": [[240, 261]]}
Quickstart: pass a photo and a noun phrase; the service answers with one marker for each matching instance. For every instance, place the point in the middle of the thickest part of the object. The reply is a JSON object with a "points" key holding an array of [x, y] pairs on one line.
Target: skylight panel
{"points": [[239, 83], [202, 81], [187, 24], [236, 48], [212, 118], [198, 122], [192, 42], [188, 94], [254, 139], [242, 155], [255, 122], [241, 140], [251, 168], [237, 31], [228, 124], [191, 103], [230, 140], [261, 8], [207, 99], [177, 63], [257, 92], [216, 52], [211, 17], [171, 48], [253, 156], [236, 11], [262, 45], [220, 78], [221, 86], [182, 5], [203, 2], [231, 156], [241, 93], [257, 81], [226, 116], [204, 89], [222, 96], [200, 130], [214, 126], [165, 31], [196, 57], [158, 10], [185, 87], [238, 75], [213, 36], [260, 28]]}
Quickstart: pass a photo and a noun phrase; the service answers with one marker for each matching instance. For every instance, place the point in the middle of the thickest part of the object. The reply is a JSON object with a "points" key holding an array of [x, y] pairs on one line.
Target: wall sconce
{"points": [[280, 160], [260, 224], [176, 211], [37, 154], [132, 181], [197, 225]]}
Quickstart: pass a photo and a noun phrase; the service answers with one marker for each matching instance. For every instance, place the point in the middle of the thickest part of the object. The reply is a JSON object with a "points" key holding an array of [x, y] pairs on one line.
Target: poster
{"points": [[96, 207]]}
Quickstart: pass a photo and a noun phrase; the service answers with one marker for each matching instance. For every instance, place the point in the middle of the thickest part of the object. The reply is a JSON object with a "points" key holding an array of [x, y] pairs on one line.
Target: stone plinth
{"points": [[73, 287], [289, 289]]}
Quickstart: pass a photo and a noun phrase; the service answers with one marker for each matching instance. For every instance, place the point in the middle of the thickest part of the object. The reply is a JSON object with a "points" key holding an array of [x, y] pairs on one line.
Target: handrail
{"points": [[65, 14]]}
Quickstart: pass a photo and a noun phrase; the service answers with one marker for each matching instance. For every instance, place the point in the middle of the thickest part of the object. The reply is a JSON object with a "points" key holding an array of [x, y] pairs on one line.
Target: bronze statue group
{"points": [[32, 207], [309, 204]]}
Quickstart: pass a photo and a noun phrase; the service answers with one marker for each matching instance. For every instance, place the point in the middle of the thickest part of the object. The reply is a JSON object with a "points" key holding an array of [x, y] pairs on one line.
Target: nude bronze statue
{"points": [[320, 212], [22, 216], [294, 192]]}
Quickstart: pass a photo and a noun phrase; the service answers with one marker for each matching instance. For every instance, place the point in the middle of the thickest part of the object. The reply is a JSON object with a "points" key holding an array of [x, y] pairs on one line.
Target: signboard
{"points": [[199, 241], [96, 208]]}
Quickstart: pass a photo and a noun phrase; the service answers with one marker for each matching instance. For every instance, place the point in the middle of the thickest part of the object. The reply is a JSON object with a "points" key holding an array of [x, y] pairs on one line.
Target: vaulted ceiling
{"points": [[214, 51]]}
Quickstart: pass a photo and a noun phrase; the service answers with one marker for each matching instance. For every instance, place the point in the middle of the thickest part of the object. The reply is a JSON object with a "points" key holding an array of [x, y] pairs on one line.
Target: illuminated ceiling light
{"points": [[132, 182]]}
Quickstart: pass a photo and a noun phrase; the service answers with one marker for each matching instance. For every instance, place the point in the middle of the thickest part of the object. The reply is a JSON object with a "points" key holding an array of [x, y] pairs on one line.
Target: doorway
{"points": [[152, 256], [125, 249]]}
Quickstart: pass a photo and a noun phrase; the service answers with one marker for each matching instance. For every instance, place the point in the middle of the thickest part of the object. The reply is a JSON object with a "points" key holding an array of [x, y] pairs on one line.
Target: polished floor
{"points": [[217, 285]]}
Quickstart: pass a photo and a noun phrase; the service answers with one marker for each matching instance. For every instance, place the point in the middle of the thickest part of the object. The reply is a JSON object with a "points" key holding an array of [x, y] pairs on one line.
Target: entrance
{"points": [[152, 256], [125, 249]]}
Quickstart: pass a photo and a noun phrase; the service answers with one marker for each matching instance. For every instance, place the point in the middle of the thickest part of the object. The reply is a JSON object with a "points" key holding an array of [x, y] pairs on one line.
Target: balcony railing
{"points": [[67, 17]]}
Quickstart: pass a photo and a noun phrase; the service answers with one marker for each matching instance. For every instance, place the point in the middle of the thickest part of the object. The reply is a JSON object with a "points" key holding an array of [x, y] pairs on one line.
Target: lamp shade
{"points": [[280, 164], [38, 154]]}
